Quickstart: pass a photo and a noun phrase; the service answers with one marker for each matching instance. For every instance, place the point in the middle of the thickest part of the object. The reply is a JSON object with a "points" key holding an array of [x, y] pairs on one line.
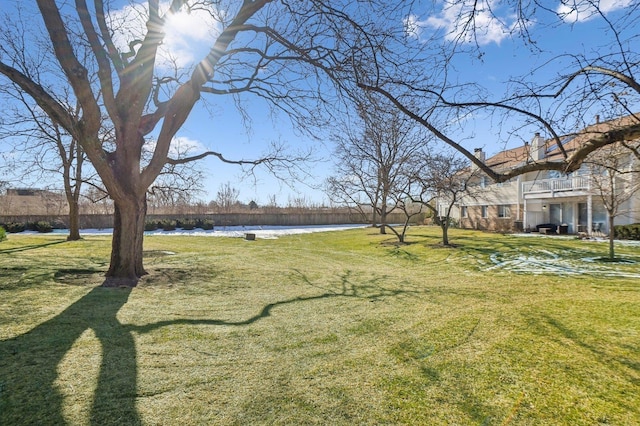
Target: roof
{"points": [[514, 157]]}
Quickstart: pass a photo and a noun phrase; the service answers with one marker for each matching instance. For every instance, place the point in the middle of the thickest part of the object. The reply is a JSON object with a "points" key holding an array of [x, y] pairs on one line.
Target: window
{"points": [[504, 211], [485, 211], [483, 181], [463, 211]]}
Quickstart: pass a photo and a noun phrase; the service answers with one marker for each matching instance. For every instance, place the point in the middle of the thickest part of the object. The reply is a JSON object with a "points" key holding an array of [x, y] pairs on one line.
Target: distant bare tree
{"points": [[616, 179], [299, 202], [371, 158], [97, 201], [178, 185], [41, 150], [441, 179], [227, 197], [272, 203]]}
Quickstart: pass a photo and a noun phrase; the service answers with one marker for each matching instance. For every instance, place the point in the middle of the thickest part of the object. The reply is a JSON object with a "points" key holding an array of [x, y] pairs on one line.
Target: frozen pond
{"points": [[264, 232]]}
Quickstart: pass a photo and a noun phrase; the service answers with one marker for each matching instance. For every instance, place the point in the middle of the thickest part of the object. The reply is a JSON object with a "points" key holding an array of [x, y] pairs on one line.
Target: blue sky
{"points": [[220, 127]]}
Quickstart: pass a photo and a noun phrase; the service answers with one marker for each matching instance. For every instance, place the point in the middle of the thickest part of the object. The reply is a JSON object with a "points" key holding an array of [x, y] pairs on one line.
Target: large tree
{"points": [[280, 51]]}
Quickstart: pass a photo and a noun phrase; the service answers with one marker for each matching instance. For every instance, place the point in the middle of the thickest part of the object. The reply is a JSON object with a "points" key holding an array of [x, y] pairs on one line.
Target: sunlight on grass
{"points": [[337, 328], [79, 368]]}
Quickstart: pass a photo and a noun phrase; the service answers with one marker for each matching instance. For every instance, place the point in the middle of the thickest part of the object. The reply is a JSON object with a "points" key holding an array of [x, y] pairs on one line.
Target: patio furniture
{"points": [[548, 228]]}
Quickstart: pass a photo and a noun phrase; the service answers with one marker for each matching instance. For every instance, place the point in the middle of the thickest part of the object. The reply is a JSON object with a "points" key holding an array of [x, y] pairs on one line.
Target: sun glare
{"points": [[189, 35]]}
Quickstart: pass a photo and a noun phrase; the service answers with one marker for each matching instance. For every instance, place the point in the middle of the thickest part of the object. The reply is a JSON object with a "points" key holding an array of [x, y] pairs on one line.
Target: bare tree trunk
{"points": [[73, 196], [71, 192], [383, 219], [126, 247], [612, 234], [74, 220], [445, 233]]}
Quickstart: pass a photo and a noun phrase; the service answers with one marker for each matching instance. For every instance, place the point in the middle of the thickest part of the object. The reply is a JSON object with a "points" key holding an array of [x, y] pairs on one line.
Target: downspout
{"points": [[518, 198], [589, 215]]}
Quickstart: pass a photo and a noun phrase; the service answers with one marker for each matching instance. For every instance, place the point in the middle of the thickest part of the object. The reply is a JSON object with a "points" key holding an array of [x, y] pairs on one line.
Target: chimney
{"points": [[480, 155], [537, 151], [597, 118]]}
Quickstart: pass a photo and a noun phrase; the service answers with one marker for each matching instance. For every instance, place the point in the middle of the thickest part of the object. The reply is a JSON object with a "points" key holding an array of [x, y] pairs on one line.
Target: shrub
{"points": [[14, 227], [150, 225], [3, 234], [187, 224], [58, 224], [205, 224], [167, 225], [627, 232], [43, 227]]}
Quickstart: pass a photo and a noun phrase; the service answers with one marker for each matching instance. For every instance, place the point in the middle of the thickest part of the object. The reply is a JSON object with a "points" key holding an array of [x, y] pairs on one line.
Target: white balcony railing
{"points": [[575, 183]]}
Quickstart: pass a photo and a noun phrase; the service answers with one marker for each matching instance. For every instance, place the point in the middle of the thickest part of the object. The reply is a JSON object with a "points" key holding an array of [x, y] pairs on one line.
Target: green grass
{"points": [[337, 328]]}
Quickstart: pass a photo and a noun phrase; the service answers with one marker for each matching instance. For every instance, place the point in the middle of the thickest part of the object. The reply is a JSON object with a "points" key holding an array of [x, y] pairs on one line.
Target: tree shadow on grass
{"points": [[606, 355], [619, 391], [29, 363], [30, 247]]}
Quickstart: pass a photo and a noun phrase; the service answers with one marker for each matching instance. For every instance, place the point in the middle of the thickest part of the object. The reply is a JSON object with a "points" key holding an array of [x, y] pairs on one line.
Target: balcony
{"points": [[553, 186]]}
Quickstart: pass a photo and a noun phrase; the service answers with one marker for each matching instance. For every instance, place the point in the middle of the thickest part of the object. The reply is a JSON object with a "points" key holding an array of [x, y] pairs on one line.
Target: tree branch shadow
{"points": [[29, 362], [30, 247]]}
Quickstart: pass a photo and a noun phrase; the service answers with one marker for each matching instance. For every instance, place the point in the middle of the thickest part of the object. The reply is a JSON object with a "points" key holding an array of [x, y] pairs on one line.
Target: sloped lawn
{"points": [[337, 328]]}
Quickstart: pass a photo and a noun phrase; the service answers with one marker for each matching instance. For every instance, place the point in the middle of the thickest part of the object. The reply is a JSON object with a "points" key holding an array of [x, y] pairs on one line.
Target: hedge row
{"points": [[42, 226], [627, 232], [171, 225], [150, 225]]}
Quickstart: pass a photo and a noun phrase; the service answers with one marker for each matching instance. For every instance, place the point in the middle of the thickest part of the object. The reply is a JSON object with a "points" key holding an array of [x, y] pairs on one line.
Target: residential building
{"points": [[570, 203]]}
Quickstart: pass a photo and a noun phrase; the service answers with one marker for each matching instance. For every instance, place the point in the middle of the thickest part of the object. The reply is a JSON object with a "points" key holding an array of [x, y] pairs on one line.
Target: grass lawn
{"points": [[336, 328]]}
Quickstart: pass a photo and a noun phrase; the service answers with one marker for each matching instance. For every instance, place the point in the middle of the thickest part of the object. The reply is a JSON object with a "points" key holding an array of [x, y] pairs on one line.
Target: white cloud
{"points": [[412, 26], [466, 21], [582, 10], [181, 146], [188, 36]]}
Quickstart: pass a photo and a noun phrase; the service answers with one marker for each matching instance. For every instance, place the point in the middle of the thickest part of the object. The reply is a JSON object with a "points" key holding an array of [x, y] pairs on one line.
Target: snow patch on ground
{"points": [[545, 262], [568, 262]]}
